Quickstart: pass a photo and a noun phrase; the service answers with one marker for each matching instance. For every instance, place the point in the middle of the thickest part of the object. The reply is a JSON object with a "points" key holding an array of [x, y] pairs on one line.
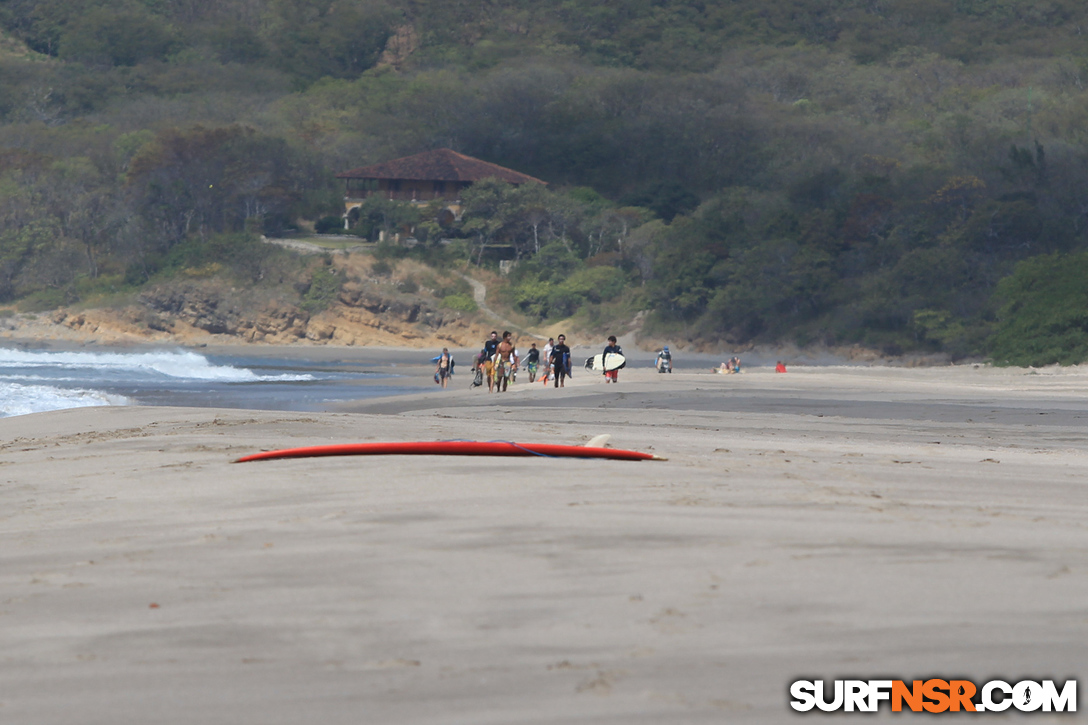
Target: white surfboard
{"points": [[601, 363]]}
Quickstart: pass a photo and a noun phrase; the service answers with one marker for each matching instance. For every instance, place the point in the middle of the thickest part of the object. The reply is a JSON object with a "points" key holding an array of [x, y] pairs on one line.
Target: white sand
{"points": [[823, 523]]}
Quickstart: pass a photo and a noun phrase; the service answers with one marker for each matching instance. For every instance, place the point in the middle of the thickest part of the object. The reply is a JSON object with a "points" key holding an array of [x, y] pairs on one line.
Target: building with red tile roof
{"points": [[440, 174]]}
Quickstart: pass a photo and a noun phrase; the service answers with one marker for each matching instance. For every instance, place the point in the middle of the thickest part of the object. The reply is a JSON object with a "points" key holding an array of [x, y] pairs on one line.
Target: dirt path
{"points": [[479, 294], [304, 247], [479, 290]]}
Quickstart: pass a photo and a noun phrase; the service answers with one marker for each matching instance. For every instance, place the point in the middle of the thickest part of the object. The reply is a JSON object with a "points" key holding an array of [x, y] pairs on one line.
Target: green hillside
{"points": [[830, 171]]}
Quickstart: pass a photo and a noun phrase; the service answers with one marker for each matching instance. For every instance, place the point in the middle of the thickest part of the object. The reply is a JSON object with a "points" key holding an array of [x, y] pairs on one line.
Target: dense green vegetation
{"points": [[1044, 312], [836, 171]]}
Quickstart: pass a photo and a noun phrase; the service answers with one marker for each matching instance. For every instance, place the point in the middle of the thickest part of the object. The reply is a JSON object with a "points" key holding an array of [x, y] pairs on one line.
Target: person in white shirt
{"points": [[546, 356]]}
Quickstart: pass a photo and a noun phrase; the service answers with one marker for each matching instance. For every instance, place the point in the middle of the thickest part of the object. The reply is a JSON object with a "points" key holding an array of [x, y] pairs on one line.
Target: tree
{"points": [[314, 38], [378, 216], [210, 180], [116, 37]]}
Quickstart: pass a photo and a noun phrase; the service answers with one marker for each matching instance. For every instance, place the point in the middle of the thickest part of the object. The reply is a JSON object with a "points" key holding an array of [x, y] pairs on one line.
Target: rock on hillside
{"points": [[206, 312]]}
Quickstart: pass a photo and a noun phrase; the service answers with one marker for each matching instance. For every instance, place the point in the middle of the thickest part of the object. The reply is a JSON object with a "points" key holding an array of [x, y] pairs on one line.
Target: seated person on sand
{"points": [[731, 367], [664, 360]]}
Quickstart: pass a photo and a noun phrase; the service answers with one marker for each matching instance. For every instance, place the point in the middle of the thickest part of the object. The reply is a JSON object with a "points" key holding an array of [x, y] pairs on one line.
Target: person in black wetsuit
{"points": [[491, 343], [560, 361], [488, 363]]}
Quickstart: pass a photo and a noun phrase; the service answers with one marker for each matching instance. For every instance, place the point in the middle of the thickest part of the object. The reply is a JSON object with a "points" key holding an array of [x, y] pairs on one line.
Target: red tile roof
{"points": [[438, 165]]}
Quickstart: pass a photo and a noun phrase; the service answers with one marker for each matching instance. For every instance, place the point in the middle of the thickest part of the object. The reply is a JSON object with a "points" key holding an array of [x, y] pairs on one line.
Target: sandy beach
{"points": [[830, 522]]}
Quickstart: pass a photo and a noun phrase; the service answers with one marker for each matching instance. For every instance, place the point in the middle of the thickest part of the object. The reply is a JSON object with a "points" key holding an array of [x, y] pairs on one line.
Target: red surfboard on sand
{"points": [[454, 448]]}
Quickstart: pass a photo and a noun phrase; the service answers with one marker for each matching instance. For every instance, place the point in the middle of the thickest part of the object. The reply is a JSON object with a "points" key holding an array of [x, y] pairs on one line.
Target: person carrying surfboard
{"points": [[560, 361], [444, 368], [548, 359], [613, 348], [504, 362], [490, 344], [532, 360]]}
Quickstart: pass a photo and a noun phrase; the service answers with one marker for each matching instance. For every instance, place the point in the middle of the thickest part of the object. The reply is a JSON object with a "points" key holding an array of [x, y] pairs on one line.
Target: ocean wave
{"points": [[18, 399], [176, 365]]}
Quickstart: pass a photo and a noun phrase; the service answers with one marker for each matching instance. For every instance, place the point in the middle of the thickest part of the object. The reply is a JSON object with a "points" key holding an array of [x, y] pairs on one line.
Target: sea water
{"points": [[34, 381]]}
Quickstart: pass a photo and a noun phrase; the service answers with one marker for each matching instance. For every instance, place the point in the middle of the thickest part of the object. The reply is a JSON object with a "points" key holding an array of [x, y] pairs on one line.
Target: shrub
{"points": [[323, 291], [243, 254], [42, 300], [1044, 318], [390, 250], [451, 286], [329, 225], [597, 284], [531, 297], [563, 302], [460, 303], [544, 299]]}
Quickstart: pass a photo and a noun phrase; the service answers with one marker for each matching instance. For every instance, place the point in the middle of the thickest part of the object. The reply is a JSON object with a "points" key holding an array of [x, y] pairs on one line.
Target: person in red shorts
{"points": [[611, 376]]}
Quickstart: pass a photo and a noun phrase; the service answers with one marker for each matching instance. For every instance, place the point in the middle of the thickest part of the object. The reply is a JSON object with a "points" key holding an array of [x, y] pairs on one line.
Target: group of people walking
{"points": [[499, 361]]}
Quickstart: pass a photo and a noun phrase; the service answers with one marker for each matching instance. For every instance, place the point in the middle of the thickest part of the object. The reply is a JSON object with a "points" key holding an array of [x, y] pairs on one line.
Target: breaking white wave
{"points": [[33, 381], [175, 365], [18, 399]]}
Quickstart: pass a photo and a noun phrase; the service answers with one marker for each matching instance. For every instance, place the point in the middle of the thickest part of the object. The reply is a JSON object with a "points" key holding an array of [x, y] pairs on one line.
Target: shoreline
{"points": [[400, 368], [38, 330], [760, 357]]}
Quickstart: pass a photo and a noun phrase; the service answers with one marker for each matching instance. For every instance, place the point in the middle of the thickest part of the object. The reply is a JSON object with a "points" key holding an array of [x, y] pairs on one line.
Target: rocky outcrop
{"points": [[195, 312], [203, 309], [401, 44], [211, 311]]}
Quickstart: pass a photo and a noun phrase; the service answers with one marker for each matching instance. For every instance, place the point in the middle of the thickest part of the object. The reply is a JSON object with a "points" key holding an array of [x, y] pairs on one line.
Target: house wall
{"points": [[404, 190], [354, 200]]}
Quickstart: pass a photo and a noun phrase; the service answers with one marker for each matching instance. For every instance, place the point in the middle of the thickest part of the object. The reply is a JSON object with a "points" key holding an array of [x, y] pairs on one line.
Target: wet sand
{"points": [[825, 523]]}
